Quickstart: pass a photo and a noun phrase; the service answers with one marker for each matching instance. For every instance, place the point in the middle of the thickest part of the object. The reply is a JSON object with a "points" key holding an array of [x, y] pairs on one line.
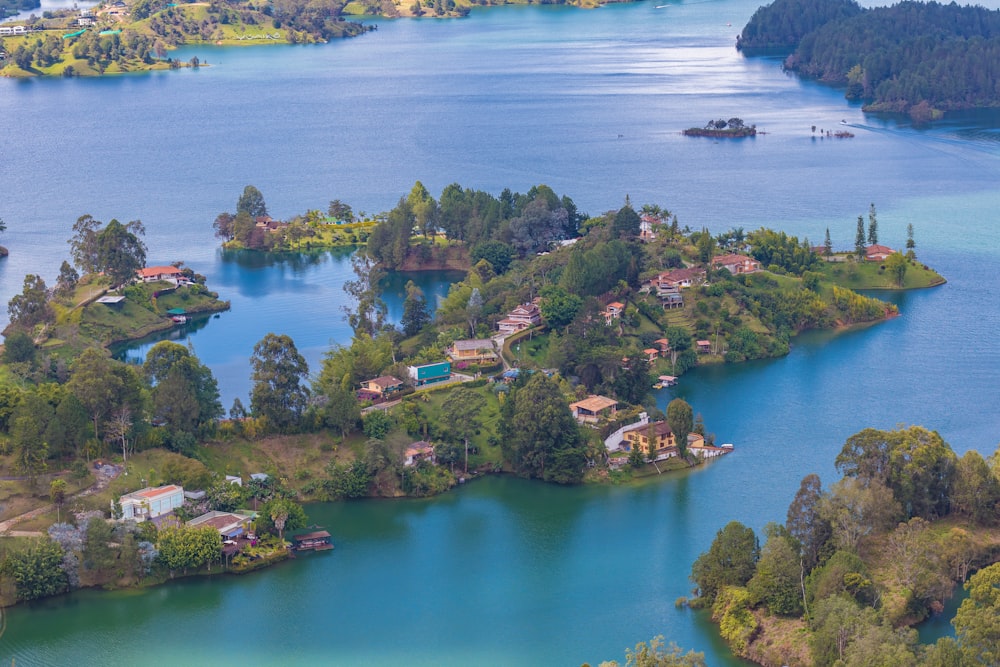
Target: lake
{"points": [[504, 570]]}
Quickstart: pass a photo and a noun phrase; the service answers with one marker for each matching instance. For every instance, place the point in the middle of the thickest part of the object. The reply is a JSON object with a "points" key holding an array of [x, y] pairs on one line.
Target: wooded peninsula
{"points": [[541, 362], [918, 58]]}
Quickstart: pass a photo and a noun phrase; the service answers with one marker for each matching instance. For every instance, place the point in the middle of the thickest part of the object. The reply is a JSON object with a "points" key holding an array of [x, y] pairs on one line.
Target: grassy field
{"points": [[871, 275]]}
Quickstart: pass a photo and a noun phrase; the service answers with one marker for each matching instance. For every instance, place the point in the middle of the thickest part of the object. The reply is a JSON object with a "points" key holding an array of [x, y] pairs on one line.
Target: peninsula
{"points": [[541, 362], [920, 58]]}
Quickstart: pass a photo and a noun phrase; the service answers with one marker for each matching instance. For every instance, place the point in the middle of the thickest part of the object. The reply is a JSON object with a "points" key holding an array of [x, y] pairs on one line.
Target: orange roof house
{"points": [[151, 502], [151, 274], [736, 264], [878, 253]]}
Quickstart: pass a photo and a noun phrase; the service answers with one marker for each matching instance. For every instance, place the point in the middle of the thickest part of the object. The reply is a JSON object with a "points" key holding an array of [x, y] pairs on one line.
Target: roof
{"points": [[151, 271], [594, 403], [315, 535], [151, 493], [662, 428], [650, 350], [678, 275], [616, 304], [419, 447], [111, 299], [478, 344], [878, 250], [702, 343], [525, 309], [219, 520], [385, 381], [723, 260]]}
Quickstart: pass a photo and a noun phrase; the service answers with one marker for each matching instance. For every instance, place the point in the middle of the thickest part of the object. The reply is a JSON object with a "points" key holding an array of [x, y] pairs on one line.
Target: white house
{"points": [[151, 502]]}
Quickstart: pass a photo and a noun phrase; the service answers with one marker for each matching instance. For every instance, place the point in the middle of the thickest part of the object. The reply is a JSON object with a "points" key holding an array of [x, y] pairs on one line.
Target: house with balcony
{"points": [[612, 312], [523, 317], [380, 388], [656, 434], [473, 350], [151, 502]]}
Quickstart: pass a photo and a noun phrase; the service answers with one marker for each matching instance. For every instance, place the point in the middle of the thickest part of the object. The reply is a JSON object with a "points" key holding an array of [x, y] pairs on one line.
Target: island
{"points": [[734, 128], [541, 362], [10, 7], [923, 59]]}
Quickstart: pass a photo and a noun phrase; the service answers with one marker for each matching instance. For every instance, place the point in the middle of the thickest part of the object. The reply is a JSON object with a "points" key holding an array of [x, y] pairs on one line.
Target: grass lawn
{"points": [[871, 276], [430, 404]]}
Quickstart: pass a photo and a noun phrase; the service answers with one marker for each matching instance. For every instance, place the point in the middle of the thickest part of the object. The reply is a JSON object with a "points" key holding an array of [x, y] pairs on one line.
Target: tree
{"points": [[29, 422], [859, 239], [729, 561], [656, 654], [377, 424], [856, 509], [83, 244], [120, 251], [462, 412], [633, 382], [415, 314], [369, 313], [278, 370], [95, 384], [341, 411], [827, 244], [225, 226], [497, 253], [68, 279], [777, 581], [626, 223], [805, 524], [57, 494], [338, 210], [977, 621], [185, 393], [281, 514], [975, 492], [895, 266], [474, 310], [31, 306], [19, 348], [872, 226], [680, 418], [251, 202], [916, 464], [558, 306], [36, 570], [910, 243], [538, 435], [706, 247]]}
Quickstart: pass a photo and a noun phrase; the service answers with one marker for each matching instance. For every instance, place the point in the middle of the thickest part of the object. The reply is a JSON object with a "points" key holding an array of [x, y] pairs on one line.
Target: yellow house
{"points": [[662, 437]]}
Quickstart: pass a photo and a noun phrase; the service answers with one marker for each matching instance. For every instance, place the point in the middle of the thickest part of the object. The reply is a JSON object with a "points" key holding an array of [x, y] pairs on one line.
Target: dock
{"points": [[316, 541]]}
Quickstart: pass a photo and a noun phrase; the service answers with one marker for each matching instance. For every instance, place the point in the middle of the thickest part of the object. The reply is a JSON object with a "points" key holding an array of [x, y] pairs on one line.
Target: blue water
{"points": [[508, 571]]}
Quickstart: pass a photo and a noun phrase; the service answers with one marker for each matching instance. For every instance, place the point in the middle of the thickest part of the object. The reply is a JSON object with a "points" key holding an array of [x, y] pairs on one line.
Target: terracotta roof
{"points": [[878, 250], [678, 275], [159, 491], [151, 271], [650, 350], [724, 260]]}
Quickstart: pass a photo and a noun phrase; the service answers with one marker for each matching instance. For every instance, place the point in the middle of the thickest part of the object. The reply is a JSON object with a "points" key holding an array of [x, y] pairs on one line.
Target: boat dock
{"points": [[315, 541]]}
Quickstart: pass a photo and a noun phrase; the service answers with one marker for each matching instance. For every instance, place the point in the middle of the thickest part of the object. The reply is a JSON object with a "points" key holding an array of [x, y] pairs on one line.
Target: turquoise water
{"points": [[505, 571]]}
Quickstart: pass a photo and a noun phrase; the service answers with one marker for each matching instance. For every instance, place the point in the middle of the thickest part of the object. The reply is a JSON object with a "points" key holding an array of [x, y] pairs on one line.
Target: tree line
{"points": [[867, 557], [921, 58]]}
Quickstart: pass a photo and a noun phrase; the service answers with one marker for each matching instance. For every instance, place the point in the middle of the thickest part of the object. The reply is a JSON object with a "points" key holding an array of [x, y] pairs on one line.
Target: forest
{"points": [[858, 563], [913, 57]]}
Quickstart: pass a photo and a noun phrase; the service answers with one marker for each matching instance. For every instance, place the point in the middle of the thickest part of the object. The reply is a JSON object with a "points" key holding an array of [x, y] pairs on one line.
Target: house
{"points": [[704, 346], [380, 387], [613, 312], [593, 408], [473, 350], [671, 297], [151, 502], [523, 317], [662, 438], [230, 525], [675, 279], [698, 447], [736, 264], [234, 479], [647, 224], [662, 344], [878, 253], [13, 30], [151, 274], [417, 452], [651, 354], [268, 223], [429, 373]]}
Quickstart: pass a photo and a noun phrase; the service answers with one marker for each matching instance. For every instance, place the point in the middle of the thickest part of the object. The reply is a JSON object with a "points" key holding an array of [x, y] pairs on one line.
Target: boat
{"points": [[665, 381], [179, 319]]}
